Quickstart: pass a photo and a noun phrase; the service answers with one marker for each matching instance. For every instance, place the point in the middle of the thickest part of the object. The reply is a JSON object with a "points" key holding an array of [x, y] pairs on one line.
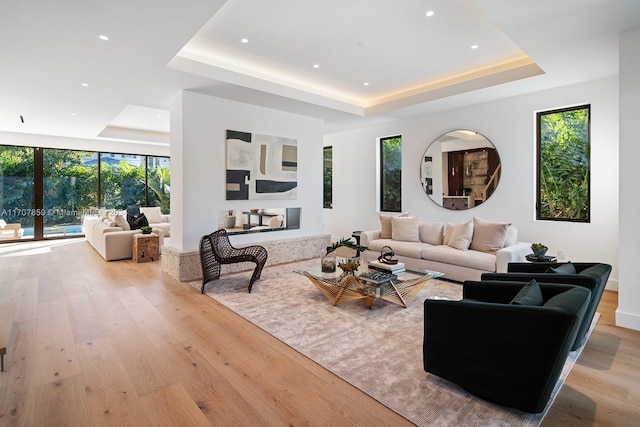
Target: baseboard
{"points": [[627, 320]]}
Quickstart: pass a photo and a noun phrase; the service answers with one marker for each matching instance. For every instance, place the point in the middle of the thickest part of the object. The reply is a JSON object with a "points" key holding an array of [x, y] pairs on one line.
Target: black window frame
{"points": [[383, 205], [539, 165]]}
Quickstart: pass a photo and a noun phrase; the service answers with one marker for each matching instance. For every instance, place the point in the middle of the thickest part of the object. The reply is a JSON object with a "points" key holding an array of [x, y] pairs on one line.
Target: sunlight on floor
{"points": [[34, 248]]}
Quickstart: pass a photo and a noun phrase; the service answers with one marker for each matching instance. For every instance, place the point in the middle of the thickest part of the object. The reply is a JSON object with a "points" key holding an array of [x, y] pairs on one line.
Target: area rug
{"points": [[378, 350]]}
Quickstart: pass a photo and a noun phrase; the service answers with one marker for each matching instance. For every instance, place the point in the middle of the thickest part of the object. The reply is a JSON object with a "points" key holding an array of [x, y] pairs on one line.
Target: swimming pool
{"points": [[70, 229]]}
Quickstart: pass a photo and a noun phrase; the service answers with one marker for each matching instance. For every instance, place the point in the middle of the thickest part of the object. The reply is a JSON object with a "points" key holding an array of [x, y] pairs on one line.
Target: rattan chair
{"points": [[216, 249]]}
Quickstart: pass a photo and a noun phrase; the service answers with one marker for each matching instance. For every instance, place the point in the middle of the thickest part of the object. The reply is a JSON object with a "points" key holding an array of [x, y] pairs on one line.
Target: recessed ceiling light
{"points": [[430, 13], [74, 114], [316, 65], [244, 40], [103, 37], [362, 44], [84, 84], [365, 84], [474, 46]]}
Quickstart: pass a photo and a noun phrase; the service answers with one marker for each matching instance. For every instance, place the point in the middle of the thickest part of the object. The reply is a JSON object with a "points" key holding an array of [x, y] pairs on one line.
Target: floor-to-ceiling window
{"points": [[122, 180], [159, 183], [70, 189], [16, 190], [47, 192]]}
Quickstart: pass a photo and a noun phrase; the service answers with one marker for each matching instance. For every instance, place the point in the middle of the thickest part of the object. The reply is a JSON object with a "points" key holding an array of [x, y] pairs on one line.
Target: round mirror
{"points": [[460, 170]]}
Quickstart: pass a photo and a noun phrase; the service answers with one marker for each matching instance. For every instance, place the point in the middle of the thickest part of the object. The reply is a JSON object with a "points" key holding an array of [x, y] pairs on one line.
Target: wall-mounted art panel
{"points": [[261, 167]]}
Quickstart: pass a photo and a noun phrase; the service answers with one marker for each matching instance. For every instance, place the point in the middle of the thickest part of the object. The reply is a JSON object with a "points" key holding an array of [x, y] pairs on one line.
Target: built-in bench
{"points": [[7, 310]]}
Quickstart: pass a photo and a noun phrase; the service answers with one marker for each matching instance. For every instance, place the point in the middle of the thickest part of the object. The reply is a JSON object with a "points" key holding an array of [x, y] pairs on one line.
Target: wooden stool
{"points": [[146, 247], [7, 310]]}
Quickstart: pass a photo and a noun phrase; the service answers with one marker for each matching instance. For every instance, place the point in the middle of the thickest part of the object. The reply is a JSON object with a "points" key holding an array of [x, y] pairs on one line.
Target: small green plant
{"points": [[346, 243], [146, 229], [539, 246]]}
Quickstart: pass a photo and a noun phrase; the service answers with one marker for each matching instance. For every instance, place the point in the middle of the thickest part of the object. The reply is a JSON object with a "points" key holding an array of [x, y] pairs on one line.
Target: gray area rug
{"points": [[378, 350]]}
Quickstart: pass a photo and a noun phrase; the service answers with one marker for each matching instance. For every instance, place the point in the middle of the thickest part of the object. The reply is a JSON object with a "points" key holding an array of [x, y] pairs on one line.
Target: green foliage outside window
{"points": [[391, 174], [159, 182], [327, 178], [16, 184], [70, 184], [122, 185], [563, 166]]}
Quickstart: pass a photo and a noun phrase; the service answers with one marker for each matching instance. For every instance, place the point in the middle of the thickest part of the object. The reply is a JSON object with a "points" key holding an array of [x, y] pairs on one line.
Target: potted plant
{"points": [[539, 249], [328, 262], [146, 229]]}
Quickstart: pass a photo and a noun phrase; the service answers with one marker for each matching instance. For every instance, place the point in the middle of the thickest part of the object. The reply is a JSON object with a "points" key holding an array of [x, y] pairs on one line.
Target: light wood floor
{"points": [[121, 344]]}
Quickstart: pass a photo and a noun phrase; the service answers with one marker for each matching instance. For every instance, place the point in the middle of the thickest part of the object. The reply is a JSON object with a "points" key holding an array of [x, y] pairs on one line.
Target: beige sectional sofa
{"points": [[111, 235], [463, 251]]}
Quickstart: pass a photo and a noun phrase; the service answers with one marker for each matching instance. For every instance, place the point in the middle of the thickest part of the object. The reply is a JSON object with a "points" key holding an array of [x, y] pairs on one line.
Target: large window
{"points": [[327, 177], [16, 185], [159, 183], [69, 187], [391, 174], [563, 179], [122, 180], [48, 191]]}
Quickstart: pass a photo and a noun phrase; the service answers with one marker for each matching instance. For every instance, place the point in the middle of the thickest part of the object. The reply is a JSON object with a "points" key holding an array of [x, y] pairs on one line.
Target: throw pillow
{"points": [[461, 235], [405, 228], [488, 236], [135, 222], [530, 294], [122, 222], [447, 232], [567, 268], [431, 232], [153, 214], [385, 225]]}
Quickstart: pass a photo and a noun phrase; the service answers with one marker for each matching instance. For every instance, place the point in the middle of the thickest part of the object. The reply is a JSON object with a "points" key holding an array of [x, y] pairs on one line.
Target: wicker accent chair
{"points": [[216, 249]]}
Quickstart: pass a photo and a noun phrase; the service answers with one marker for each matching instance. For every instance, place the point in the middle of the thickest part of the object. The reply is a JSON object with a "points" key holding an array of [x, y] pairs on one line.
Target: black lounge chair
{"points": [[216, 249]]}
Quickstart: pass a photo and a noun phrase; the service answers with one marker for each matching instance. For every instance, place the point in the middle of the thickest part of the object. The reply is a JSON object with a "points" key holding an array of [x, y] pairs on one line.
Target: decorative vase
{"points": [[229, 221], [328, 263]]}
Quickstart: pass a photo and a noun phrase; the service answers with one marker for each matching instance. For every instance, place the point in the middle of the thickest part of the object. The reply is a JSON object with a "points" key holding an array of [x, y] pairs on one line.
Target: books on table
{"points": [[394, 268], [377, 277]]}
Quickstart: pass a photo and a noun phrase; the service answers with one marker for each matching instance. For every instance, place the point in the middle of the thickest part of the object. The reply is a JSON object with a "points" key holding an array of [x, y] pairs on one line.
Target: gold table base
{"points": [[348, 288]]}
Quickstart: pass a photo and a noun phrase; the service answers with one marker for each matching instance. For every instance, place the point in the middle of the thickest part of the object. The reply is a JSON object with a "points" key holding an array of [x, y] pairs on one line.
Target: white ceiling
{"points": [[413, 64]]}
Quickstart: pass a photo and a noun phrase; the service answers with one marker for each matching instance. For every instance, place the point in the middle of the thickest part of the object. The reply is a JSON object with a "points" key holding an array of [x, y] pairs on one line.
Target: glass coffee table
{"points": [[340, 287]]}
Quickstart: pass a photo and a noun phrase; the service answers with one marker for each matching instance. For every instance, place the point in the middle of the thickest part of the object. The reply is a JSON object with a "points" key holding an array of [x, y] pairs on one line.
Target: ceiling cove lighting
{"points": [[103, 37]]}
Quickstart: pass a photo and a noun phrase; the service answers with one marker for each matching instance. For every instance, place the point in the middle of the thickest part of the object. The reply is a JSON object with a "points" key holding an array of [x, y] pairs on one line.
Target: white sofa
{"points": [[462, 251], [113, 239]]}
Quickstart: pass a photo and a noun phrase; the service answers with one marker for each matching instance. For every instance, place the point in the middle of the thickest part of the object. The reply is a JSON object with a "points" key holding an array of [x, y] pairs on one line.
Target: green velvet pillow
{"points": [[530, 294], [567, 268]]}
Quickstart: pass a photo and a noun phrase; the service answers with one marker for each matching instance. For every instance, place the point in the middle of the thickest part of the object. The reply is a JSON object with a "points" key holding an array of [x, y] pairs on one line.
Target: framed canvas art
{"points": [[261, 167]]}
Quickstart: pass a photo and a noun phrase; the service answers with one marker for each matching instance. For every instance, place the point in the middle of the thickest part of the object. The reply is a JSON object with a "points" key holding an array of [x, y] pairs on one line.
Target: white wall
{"points": [[628, 312], [510, 125], [198, 150]]}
